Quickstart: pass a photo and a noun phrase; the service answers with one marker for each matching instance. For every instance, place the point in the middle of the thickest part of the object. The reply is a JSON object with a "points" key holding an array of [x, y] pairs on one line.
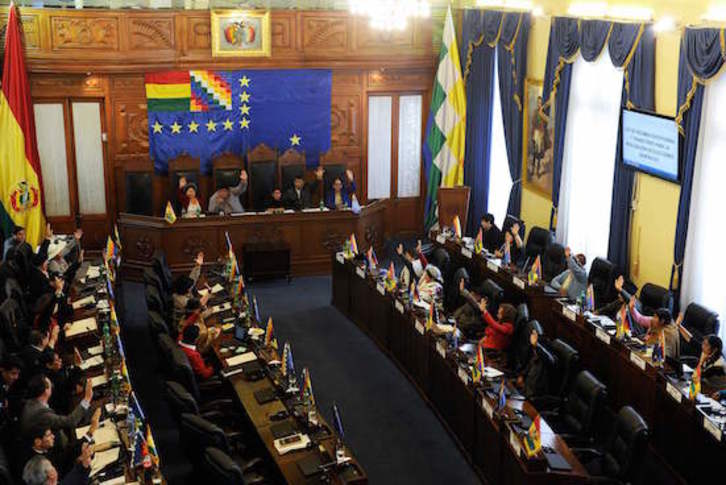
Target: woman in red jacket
{"points": [[498, 333]]}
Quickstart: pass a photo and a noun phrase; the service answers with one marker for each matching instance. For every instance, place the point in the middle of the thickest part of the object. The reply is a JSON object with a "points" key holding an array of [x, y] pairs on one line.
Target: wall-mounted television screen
{"points": [[650, 144]]}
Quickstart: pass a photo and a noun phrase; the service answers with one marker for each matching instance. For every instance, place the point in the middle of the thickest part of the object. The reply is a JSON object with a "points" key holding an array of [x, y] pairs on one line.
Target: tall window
{"points": [[500, 180], [702, 270], [583, 218], [394, 145]]}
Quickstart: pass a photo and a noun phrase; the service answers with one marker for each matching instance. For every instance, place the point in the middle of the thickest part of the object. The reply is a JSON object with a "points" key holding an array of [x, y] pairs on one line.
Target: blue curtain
{"points": [[512, 65], [563, 46], [638, 92], [701, 58]]}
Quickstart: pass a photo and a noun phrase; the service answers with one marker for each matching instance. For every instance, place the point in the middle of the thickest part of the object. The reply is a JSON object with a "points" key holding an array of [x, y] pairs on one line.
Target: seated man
{"points": [[201, 369], [40, 471], [10, 394], [492, 238], [339, 196], [273, 202], [16, 238], [40, 342], [572, 282], [226, 199], [36, 409], [498, 333], [299, 196]]}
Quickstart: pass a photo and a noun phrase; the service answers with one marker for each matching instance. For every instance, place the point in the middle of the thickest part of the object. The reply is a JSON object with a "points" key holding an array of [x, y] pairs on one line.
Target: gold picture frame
{"points": [[537, 141], [241, 33]]}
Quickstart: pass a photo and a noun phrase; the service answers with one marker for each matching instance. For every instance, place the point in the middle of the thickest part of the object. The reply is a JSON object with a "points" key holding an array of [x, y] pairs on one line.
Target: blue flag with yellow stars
{"points": [[207, 113]]}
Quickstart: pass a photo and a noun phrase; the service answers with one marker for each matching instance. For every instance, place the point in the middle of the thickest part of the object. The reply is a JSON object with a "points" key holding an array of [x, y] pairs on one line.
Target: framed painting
{"points": [[241, 33], [538, 141]]}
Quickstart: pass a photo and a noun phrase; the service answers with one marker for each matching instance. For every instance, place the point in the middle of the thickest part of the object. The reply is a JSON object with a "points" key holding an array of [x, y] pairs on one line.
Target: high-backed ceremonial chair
{"points": [[553, 261], [292, 164], [188, 167], [520, 322], [138, 192], [538, 240], [699, 321], [601, 277], [262, 170], [225, 171], [653, 297], [181, 401], [619, 459]]}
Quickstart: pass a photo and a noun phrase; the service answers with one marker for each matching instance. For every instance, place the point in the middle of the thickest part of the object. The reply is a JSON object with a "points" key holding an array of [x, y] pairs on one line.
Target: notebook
{"points": [[104, 458], [264, 396], [241, 359], [286, 428], [556, 461]]}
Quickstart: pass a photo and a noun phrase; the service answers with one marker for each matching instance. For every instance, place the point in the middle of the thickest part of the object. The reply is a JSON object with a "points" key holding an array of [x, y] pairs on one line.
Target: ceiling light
{"points": [[665, 24], [588, 9]]}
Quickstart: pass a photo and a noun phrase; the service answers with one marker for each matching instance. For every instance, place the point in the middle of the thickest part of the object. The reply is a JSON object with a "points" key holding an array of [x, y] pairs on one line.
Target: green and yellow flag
{"points": [[21, 185], [443, 150]]}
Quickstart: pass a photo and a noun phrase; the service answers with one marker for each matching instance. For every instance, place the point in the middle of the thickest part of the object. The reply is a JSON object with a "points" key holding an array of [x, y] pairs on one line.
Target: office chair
{"points": [[538, 241], [540, 385], [452, 296], [553, 261], [14, 328], [493, 292], [154, 301], [602, 277], [568, 365], [166, 347], [197, 434], [157, 326], [151, 278], [620, 458], [574, 420], [653, 297], [520, 347], [440, 258], [181, 372], [161, 267], [220, 469], [699, 321], [218, 411], [522, 316]]}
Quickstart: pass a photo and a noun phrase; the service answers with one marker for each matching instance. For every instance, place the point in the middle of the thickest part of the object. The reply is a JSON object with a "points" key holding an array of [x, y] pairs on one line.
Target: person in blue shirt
{"points": [[572, 282], [339, 195], [16, 238]]}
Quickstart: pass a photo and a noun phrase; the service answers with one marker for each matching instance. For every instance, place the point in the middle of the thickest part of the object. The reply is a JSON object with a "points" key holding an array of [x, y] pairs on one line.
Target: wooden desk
{"points": [[484, 439], [311, 237], [678, 433]]}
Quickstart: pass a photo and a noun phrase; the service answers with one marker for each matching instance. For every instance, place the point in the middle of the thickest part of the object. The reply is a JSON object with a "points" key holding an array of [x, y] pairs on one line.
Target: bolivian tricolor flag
{"points": [[21, 184], [168, 91]]}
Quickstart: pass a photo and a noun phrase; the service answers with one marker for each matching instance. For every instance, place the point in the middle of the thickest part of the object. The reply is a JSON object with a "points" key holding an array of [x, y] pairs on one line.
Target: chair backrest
{"points": [[196, 434], [292, 164], [521, 347], [14, 326], [568, 365], [440, 258], [151, 278], [225, 170], [220, 469], [183, 373], [602, 277], [653, 297], [452, 298], [262, 179], [700, 321], [538, 240], [626, 446], [166, 348], [161, 267], [180, 401], [157, 325], [583, 403], [138, 193], [553, 261], [522, 315], [154, 301], [332, 172], [494, 293], [549, 367]]}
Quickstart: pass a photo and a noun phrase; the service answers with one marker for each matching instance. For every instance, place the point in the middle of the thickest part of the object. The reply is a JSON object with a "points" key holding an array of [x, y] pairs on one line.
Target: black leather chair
{"points": [[620, 458], [292, 164], [139, 191], [182, 372], [218, 411], [538, 240], [520, 346], [440, 258], [220, 469], [157, 326], [568, 365], [602, 277], [197, 434], [14, 328], [262, 179], [553, 261], [154, 302], [544, 383], [493, 292], [699, 321], [166, 348], [452, 296], [6, 474], [161, 267], [575, 419], [509, 221], [653, 297]]}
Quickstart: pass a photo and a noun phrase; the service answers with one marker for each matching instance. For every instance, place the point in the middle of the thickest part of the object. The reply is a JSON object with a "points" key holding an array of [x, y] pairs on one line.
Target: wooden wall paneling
{"points": [[325, 34]]}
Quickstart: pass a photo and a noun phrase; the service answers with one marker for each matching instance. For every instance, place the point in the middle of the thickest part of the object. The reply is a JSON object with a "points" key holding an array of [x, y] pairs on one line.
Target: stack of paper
{"points": [[241, 359], [98, 349], [221, 307], [82, 326], [83, 302], [93, 272], [106, 433], [91, 362], [99, 380], [102, 459]]}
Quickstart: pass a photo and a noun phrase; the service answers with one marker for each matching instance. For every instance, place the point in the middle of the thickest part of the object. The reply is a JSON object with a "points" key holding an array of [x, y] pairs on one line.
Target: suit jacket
{"points": [[39, 284], [31, 361], [345, 193], [492, 239], [34, 411], [305, 201]]}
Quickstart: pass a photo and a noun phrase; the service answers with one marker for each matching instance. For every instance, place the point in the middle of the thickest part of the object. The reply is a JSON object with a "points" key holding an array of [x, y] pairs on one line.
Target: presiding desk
{"points": [[681, 434], [490, 438], [311, 236]]}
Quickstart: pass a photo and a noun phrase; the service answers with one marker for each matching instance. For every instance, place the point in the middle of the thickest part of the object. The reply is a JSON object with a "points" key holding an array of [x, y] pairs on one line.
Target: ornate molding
{"points": [[332, 241], [345, 120], [262, 233], [84, 32], [322, 34], [145, 247], [151, 33], [194, 244]]}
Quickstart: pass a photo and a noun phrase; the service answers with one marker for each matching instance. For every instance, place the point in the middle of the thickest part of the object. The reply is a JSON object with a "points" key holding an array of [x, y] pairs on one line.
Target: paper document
{"points": [[221, 307], [106, 433], [93, 272], [83, 302], [91, 362], [104, 458], [98, 349], [99, 380], [492, 373], [241, 359], [82, 326]]}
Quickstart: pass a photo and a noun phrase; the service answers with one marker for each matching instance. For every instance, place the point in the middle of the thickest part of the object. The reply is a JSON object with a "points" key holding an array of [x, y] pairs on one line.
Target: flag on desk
{"points": [[478, 372], [270, 340], [390, 280], [456, 225], [507, 255], [337, 422], [21, 183], [169, 214], [116, 236], [694, 389], [372, 260], [658, 355], [479, 242], [151, 447], [257, 310], [353, 245], [443, 150], [535, 273], [240, 289], [533, 438], [502, 402], [590, 299], [430, 318], [204, 113], [307, 387], [287, 366]]}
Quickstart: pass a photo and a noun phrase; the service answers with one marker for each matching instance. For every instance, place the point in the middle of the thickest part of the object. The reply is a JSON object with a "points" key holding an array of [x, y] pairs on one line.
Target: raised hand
{"points": [[199, 259], [515, 228], [182, 182], [568, 251], [399, 249], [319, 173], [243, 175], [349, 174], [88, 391], [48, 231]]}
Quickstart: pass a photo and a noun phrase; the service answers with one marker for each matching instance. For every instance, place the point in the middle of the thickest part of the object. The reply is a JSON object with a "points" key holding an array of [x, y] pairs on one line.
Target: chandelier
{"points": [[390, 14]]}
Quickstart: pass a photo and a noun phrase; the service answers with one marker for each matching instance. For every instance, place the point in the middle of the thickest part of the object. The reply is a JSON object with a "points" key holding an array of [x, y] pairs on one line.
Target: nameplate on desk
{"points": [[518, 283], [514, 443], [441, 239], [711, 427], [637, 360], [360, 272], [602, 335], [340, 258], [441, 348], [569, 313], [492, 266], [674, 392], [399, 307], [381, 288], [466, 252], [487, 407], [463, 376], [420, 327]]}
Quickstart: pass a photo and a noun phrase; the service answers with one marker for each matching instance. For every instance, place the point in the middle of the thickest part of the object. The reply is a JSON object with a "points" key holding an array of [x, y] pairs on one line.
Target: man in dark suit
{"points": [[299, 196], [10, 369], [40, 342], [492, 238]]}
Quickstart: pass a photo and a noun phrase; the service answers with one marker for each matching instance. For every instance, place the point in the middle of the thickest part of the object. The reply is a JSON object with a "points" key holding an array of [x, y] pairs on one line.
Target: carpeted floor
{"points": [[390, 428]]}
